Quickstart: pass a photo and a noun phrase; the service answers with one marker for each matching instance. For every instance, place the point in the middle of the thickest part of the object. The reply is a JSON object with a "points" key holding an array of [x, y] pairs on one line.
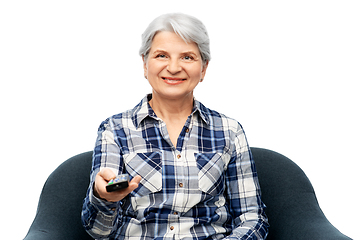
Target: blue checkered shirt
{"points": [[204, 188]]}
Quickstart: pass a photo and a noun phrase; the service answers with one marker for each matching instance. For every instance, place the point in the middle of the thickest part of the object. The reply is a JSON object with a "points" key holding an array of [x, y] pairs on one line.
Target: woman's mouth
{"points": [[173, 81]]}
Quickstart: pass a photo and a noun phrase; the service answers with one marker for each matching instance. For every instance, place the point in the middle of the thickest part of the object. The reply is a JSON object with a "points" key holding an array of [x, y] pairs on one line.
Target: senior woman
{"points": [[191, 169]]}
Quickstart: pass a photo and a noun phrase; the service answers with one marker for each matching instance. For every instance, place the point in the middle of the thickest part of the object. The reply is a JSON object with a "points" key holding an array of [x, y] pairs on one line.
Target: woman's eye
{"points": [[188, 58], [161, 56]]}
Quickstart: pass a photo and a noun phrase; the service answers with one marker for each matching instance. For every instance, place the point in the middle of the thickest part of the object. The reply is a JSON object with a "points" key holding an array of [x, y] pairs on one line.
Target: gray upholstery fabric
{"points": [[58, 215], [292, 208]]}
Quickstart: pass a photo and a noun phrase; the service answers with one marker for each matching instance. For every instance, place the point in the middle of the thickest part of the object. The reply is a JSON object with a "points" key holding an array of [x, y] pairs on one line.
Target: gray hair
{"points": [[189, 28]]}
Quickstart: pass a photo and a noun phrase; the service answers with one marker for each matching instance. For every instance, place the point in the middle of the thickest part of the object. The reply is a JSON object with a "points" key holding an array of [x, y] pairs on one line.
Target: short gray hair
{"points": [[189, 28]]}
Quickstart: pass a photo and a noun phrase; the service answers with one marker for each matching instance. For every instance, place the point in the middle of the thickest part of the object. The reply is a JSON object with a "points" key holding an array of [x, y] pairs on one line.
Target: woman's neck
{"points": [[172, 109]]}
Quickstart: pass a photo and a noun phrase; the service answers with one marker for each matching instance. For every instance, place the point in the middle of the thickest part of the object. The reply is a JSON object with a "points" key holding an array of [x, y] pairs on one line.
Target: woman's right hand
{"points": [[102, 179]]}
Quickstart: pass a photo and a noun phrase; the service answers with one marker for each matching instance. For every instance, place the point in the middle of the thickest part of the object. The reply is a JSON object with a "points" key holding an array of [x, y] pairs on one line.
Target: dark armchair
{"points": [[292, 208]]}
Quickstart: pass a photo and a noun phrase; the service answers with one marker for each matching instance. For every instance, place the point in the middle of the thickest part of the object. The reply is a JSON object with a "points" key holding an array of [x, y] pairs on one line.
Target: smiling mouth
{"points": [[173, 81]]}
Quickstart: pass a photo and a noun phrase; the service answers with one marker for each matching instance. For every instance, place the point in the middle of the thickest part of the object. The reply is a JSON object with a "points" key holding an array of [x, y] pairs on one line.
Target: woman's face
{"points": [[173, 67]]}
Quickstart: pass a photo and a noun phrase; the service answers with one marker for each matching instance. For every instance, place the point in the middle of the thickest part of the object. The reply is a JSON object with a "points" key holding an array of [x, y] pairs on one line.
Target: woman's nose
{"points": [[174, 66]]}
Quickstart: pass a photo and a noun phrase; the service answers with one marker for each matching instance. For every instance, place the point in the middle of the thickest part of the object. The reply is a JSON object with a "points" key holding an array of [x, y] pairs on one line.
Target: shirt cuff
{"points": [[108, 208]]}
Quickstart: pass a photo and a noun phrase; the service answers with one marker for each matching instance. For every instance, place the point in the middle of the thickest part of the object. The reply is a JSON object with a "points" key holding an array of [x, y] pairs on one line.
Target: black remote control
{"points": [[118, 183]]}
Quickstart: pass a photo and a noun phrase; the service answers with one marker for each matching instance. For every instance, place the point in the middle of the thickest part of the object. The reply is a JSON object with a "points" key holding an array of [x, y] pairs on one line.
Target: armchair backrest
{"points": [[58, 215], [292, 207]]}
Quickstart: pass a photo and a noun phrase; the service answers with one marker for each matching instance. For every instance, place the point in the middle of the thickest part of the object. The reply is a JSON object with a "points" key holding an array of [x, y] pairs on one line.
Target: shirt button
{"points": [[178, 156], [172, 228], [181, 185]]}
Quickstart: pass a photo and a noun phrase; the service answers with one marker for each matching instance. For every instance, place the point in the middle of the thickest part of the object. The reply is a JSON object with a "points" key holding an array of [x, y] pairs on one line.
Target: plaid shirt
{"points": [[204, 188]]}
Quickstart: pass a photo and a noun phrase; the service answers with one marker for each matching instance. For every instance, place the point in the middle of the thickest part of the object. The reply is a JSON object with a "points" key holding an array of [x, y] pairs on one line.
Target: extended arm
{"points": [[100, 208]]}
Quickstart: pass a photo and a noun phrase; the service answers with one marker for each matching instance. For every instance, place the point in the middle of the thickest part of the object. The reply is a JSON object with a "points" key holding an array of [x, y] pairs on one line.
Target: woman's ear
{"points": [[145, 66], [203, 71]]}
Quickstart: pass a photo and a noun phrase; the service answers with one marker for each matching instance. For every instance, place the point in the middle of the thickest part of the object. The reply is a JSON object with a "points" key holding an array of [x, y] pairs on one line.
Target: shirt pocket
{"points": [[149, 166], [211, 173]]}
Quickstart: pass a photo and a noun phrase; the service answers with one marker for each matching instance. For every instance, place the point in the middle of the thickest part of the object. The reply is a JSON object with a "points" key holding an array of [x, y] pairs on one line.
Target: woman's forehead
{"points": [[170, 41]]}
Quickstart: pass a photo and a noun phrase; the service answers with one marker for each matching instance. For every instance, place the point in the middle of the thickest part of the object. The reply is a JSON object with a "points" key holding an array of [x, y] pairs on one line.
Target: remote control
{"points": [[118, 183]]}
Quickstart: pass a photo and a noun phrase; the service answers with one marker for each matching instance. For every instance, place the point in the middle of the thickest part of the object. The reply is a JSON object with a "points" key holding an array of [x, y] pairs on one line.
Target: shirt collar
{"points": [[143, 110]]}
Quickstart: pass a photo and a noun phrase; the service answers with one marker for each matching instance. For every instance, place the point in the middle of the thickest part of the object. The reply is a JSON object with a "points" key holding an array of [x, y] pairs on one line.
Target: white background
{"points": [[288, 71]]}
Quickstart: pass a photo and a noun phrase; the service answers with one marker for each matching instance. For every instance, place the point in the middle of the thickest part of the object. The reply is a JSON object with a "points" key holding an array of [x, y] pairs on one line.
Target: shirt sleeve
{"points": [[98, 216], [243, 193]]}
